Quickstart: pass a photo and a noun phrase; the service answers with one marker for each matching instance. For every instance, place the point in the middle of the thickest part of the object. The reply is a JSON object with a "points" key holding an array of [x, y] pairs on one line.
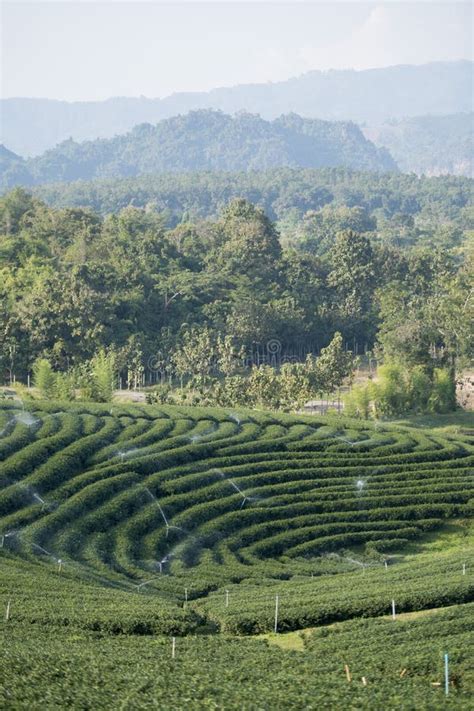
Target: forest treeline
{"points": [[75, 285], [403, 209]]}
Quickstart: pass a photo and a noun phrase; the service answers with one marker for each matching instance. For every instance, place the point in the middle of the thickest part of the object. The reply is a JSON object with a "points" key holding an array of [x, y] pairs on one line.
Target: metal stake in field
{"points": [[7, 611], [60, 565], [227, 598], [173, 647], [393, 610], [463, 567], [446, 674], [185, 596], [386, 565], [276, 614]]}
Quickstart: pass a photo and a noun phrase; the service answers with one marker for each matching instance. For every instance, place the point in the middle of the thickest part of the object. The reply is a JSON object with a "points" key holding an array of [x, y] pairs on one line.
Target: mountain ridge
{"points": [[202, 140], [429, 145], [30, 126]]}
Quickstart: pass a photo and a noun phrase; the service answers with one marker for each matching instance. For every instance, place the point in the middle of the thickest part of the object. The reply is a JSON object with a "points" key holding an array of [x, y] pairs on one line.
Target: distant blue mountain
{"points": [[31, 126]]}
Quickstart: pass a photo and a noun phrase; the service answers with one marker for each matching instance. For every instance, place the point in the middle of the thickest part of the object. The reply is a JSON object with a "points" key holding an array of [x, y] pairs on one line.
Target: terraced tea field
{"points": [[174, 521]]}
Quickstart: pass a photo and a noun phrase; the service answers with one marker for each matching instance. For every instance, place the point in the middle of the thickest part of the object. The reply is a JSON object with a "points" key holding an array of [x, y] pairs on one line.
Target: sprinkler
{"points": [[348, 441], [167, 524]]}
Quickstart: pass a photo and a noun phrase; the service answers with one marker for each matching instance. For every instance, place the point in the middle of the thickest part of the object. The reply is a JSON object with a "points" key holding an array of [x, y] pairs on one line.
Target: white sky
{"points": [[79, 50]]}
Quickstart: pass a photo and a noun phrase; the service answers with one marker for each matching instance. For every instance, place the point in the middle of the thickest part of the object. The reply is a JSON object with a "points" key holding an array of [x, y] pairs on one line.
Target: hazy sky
{"points": [[79, 50]]}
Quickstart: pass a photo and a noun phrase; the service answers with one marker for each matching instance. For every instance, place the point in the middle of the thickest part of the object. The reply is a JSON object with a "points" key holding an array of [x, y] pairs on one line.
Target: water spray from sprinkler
{"points": [[237, 488], [8, 534], [40, 501], [163, 515], [348, 441], [146, 582], [26, 418], [163, 561], [45, 552]]}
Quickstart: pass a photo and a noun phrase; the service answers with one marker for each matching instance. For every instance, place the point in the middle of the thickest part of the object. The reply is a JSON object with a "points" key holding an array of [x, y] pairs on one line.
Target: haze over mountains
{"points": [[31, 126], [199, 141], [429, 145]]}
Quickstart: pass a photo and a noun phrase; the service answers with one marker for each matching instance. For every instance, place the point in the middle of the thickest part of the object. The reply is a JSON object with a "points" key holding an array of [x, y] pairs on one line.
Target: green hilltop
{"points": [[204, 140]]}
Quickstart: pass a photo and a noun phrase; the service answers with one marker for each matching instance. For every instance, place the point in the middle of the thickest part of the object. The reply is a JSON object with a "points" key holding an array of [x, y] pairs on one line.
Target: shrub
{"points": [[443, 394]]}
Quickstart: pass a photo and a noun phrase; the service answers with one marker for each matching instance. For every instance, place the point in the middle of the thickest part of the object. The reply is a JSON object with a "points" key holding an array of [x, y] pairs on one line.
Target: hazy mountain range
{"points": [[429, 145], [199, 141], [31, 126]]}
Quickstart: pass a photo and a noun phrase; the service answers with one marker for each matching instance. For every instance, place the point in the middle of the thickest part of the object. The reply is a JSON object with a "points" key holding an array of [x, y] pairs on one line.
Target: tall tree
{"points": [[352, 277], [44, 378], [250, 244]]}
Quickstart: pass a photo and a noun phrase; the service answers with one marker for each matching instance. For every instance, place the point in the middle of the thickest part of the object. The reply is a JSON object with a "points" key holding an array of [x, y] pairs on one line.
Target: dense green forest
{"points": [[286, 195], [214, 296], [203, 140], [31, 126], [430, 145]]}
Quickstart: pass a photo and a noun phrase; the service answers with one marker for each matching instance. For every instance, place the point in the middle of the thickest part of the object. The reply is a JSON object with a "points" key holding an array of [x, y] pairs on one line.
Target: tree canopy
{"points": [[74, 284]]}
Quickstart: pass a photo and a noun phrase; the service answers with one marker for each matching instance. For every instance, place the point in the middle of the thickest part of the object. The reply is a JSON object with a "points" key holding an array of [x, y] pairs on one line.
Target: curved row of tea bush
{"points": [[176, 498]]}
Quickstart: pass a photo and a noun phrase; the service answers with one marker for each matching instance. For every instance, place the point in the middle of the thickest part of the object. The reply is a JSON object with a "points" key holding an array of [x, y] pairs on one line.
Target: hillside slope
{"points": [[208, 140], [161, 496], [429, 145], [123, 525], [30, 126], [13, 169]]}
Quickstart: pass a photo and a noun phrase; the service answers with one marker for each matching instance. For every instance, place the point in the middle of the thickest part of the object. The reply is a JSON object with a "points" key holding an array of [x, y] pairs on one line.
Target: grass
{"points": [[290, 641], [452, 421], [453, 536]]}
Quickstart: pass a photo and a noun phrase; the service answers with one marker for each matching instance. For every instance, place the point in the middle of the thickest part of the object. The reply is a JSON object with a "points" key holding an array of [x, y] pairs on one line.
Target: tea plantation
{"points": [[122, 527]]}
